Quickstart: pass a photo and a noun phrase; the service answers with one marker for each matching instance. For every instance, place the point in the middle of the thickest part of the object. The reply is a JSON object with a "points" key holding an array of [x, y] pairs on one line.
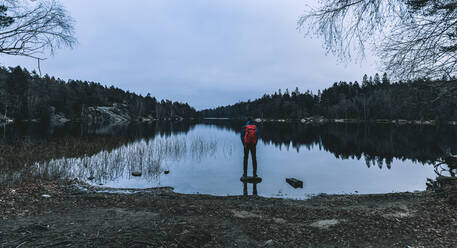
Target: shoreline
{"points": [[58, 213], [85, 187], [323, 120], [308, 120]]}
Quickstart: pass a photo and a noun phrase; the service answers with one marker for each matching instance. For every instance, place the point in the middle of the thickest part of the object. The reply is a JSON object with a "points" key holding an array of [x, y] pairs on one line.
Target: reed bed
{"points": [[151, 157]]}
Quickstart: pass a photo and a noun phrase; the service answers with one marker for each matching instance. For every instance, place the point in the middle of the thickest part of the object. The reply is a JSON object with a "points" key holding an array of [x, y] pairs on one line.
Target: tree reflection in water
{"points": [[378, 144], [446, 171], [152, 147]]}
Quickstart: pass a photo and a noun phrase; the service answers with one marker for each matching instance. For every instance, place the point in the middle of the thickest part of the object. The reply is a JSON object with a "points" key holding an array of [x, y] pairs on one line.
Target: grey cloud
{"points": [[207, 53]]}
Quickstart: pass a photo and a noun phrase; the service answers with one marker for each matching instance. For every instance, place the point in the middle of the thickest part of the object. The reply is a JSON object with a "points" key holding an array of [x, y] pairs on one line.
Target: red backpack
{"points": [[250, 136]]}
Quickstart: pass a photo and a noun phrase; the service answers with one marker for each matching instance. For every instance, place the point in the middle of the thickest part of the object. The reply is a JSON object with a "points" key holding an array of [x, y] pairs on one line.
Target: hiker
{"points": [[249, 137]]}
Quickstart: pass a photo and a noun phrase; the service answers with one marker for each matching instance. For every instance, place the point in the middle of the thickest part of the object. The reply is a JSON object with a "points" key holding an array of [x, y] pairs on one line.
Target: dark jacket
{"points": [[243, 130]]}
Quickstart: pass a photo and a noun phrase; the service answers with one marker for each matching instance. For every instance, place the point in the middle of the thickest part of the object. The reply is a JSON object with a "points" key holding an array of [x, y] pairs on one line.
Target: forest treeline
{"points": [[27, 96], [374, 98]]}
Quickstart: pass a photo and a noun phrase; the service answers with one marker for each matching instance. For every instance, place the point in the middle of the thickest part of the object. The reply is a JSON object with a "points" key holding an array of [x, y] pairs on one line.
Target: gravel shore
{"points": [[60, 214]]}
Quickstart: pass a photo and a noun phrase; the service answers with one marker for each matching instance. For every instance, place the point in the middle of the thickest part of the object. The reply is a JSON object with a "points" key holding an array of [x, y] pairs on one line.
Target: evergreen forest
{"points": [[27, 96], [372, 99]]}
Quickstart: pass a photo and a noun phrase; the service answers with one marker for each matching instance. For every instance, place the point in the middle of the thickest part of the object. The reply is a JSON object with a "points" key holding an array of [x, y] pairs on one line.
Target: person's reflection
{"points": [[250, 180]]}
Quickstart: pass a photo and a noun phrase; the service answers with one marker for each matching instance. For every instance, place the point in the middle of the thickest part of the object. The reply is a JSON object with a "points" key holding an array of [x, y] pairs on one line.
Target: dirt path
{"points": [[161, 218]]}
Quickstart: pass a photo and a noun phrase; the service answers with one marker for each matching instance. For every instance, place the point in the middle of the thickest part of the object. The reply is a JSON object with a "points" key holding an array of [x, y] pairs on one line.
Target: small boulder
{"points": [[326, 224], [166, 172], [279, 220], [136, 173], [294, 182], [91, 178], [269, 243]]}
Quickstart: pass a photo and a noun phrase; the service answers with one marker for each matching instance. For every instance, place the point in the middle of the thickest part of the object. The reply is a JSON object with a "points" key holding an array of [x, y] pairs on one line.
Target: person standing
{"points": [[249, 137]]}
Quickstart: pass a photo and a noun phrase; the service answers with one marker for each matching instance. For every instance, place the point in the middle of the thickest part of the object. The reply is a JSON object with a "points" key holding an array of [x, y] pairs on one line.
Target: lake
{"points": [[206, 157]]}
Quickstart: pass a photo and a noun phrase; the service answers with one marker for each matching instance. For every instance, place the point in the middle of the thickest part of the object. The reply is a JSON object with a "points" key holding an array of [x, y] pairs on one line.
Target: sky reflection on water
{"points": [[208, 160]]}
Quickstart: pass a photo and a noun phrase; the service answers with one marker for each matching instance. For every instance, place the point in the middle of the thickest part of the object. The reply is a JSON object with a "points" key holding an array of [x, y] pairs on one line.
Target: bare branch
{"points": [[414, 38], [36, 28]]}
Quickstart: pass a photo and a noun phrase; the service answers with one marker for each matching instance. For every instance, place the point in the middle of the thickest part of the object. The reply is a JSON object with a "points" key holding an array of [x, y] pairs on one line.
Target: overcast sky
{"points": [[204, 52]]}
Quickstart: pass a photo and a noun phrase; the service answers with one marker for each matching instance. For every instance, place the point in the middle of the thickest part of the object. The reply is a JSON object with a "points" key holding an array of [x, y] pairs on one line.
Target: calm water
{"points": [[207, 157]]}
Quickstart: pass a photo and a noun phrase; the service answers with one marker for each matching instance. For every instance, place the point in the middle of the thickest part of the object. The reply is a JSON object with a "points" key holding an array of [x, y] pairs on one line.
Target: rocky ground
{"points": [[60, 214]]}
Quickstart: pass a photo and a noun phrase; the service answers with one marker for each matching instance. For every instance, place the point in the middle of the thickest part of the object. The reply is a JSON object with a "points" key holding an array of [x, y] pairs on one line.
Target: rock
{"points": [[294, 182], [251, 179], [91, 178], [269, 243], [279, 220], [397, 215], [166, 172], [245, 214], [46, 196], [325, 224], [115, 114], [136, 173]]}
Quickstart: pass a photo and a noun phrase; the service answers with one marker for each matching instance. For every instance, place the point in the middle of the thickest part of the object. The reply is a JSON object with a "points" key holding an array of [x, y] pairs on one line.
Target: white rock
{"points": [[325, 224], [245, 214], [269, 243]]}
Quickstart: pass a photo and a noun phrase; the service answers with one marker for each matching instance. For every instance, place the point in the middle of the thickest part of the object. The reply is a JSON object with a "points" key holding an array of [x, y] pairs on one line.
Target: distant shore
{"points": [[321, 120], [118, 116]]}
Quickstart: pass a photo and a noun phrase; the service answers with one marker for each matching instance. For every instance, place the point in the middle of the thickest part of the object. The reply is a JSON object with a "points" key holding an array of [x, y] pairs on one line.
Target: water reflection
{"points": [[250, 181], [254, 188], [377, 144], [150, 157], [208, 157], [134, 131], [446, 171]]}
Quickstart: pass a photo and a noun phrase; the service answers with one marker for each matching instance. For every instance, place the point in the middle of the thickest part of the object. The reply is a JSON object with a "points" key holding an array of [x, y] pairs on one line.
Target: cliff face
{"points": [[115, 114]]}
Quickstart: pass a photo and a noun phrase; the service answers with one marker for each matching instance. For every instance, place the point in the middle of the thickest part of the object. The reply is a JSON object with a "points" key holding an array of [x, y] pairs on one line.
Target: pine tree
{"points": [[376, 80], [385, 79], [365, 81]]}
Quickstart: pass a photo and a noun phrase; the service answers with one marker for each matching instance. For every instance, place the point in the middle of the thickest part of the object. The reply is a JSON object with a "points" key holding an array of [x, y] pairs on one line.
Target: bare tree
{"points": [[33, 28], [414, 38]]}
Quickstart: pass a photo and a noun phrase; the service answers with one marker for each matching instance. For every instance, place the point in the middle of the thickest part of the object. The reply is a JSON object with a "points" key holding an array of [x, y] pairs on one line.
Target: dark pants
{"points": [[251, 148]]}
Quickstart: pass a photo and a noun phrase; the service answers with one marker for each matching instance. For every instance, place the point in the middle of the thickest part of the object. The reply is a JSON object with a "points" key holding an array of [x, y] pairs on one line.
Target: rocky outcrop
{"points": [[115, 114]]}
